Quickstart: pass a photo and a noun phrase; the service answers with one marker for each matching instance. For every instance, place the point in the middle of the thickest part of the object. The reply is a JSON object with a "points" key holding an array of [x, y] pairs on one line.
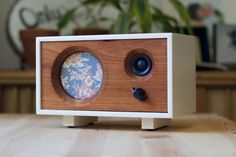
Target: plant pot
{"points": [[28, 37], [90, 31]]}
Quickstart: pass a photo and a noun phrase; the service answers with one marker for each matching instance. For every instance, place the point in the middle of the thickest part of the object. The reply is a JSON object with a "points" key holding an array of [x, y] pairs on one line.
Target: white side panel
{"points": [[184, 80], [170, 75], [38, 75]]}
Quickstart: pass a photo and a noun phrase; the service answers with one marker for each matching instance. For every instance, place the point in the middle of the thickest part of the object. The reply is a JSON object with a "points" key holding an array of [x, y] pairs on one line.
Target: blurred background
{"points": [[213, 22]]}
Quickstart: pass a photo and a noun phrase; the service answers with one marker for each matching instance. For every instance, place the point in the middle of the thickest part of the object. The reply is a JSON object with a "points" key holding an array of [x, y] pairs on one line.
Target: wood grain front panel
{"points": [[115, 94]]}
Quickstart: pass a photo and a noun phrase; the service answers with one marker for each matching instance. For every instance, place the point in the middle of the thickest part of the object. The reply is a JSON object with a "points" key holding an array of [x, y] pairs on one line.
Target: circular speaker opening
{"points": [[81, 75], [138, 63]]}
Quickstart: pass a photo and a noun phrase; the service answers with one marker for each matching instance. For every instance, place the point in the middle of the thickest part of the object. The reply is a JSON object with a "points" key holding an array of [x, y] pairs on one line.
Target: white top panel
{"points": [[105, 37]]}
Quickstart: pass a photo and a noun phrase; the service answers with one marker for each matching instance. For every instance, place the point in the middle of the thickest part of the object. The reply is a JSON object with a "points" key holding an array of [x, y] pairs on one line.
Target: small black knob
{"points": [[139, 94]]}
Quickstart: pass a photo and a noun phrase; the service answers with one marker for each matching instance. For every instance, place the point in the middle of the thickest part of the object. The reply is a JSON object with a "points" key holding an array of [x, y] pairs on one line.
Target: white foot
{"points": [[154, 123], [76, 121]]}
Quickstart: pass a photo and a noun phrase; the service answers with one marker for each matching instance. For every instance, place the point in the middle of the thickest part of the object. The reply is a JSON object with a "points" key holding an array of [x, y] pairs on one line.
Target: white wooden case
{"points": [[180, 73]]}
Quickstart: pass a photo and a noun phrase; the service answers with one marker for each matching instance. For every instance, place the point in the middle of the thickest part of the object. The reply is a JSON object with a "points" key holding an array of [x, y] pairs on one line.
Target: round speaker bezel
{"points": [[128, 60], [135, 59], [56, 74]]}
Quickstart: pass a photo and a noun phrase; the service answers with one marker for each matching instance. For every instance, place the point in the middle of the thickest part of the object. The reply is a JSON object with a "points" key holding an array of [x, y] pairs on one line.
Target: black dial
{"points": [[139, 94]]}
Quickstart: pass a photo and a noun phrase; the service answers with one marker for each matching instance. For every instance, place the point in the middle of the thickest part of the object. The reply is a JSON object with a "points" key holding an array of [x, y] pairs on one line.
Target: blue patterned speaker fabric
{"points": [[81, 75]]}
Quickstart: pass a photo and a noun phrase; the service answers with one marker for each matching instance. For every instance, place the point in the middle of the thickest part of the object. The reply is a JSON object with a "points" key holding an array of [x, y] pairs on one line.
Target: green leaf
{"points": [[103, 3], [116, 4], [142, 12], [183, 14], [68, 16], [88, 2], [168, 23], [104, 19], [122, 24], [220, 16]]}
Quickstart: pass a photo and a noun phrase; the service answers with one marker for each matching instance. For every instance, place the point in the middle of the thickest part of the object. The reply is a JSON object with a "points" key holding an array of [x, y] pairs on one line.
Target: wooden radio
{"points": [[147, 76]]}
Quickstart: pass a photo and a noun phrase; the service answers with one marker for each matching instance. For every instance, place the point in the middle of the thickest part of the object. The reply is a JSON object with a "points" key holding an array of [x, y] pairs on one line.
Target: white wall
{"points": [[8, 60], [228, 7]]}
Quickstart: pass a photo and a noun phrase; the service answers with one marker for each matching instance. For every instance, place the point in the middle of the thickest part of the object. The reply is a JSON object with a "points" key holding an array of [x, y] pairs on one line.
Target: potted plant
{"points": [[146, 16], [131, 14]]}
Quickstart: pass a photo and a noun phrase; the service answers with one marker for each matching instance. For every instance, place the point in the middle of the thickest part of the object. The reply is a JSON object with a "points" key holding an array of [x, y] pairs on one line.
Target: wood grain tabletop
{"points": [[197, 135]]}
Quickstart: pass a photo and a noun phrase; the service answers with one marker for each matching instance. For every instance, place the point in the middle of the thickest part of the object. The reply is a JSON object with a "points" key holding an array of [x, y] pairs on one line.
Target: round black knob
{"points": [[139, 94], [141, 64]]}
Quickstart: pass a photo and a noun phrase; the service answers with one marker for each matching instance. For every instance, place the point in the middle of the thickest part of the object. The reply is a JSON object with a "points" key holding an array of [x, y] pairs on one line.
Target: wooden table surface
{"points": [[202, 135]]}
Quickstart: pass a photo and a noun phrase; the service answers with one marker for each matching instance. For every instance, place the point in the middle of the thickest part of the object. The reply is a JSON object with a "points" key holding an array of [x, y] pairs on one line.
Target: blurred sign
{"points": [[26, 14]]}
